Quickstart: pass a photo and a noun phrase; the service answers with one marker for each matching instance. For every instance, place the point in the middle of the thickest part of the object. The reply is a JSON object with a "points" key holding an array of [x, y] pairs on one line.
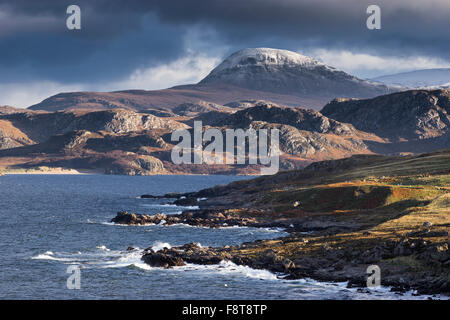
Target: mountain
{"points": [[404, 116], [287, 72], [280, 76], [427, 78]]}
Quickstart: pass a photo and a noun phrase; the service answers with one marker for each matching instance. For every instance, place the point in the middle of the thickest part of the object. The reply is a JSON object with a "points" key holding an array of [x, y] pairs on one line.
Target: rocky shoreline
{"points": [[331, 267], [331, 264], [342, 216], [210, 218]]}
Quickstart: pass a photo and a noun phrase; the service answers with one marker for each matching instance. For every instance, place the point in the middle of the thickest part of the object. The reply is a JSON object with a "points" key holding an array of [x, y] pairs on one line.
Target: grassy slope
{"points": [[370, 201]]}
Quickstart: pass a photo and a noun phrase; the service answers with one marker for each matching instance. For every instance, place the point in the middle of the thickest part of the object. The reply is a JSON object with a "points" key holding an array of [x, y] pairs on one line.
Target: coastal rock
{"points": [[202, 218], [186, 201], [124, 217], [162, 260]]}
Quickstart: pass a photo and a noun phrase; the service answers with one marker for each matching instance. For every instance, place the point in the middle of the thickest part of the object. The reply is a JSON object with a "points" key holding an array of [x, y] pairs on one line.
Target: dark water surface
{"points": [[49, 222]]}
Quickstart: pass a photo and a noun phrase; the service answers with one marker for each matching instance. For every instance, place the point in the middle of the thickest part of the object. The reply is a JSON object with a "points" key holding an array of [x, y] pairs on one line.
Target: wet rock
{"points": [[124, 217], [438, 252], [162, 260], [187, 201], [150, 196], [427, 233]]}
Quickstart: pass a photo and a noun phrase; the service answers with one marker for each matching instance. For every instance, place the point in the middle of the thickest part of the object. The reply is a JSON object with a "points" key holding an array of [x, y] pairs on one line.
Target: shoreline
{"points": [[341, 219], [328, 265], [51, 171], [65, 171]]}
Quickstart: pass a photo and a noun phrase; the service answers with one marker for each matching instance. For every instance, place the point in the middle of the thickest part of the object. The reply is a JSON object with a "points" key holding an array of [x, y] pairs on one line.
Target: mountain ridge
{"points": [[288, 79]]}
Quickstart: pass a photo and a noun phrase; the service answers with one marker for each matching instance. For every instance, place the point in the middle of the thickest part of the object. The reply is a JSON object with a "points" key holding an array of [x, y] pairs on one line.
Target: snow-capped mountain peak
{"points": [[266, 57], [286, 72]]}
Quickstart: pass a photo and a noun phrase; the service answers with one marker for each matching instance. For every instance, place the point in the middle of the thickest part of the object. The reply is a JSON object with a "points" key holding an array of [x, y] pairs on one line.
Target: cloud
{"points": [[369, 65], [24, 94], [189, 69], [141, 42]]}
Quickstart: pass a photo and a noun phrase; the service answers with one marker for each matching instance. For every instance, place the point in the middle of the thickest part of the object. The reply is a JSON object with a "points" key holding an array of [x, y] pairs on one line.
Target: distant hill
{"points": [[427, 78], [412, 121], [123, 141]]}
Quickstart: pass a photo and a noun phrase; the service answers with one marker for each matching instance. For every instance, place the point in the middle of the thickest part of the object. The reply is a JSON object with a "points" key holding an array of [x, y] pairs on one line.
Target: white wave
{"points": [[231, 269], [102, 256], [168, 205], [50, 256], [156, 205], [190, 207], [108, 223], [142, 265], [311, 289], [307, 288], [159, 245]]}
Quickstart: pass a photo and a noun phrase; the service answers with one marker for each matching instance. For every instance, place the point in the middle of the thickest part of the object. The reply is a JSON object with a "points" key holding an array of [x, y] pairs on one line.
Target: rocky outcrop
{"points": [[149, 164], [313, 145], [41, 126], [408, 115], [211, 218], [10, 136], [302, 119], [332, 264], [161, 259], [192, 109]]}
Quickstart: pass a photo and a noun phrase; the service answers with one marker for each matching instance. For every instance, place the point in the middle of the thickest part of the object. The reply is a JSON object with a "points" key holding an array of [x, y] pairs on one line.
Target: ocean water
{"points": [[50, 222]]}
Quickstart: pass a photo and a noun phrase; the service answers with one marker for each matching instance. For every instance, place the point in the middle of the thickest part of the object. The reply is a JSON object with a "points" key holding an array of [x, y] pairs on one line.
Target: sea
{"points": [[57, 242]]}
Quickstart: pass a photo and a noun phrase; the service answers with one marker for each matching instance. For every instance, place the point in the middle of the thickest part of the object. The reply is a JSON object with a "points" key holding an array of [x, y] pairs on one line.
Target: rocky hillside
{"points": [[127, 142], [40, 126], [114, 141], [403, 116], [303, 133], [302, 119]]}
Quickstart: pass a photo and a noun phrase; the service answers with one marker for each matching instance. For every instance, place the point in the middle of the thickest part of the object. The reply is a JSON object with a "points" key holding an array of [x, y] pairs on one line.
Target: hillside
{"points": [[341, 215], [402, 116], [116, 141], [121, 141]]}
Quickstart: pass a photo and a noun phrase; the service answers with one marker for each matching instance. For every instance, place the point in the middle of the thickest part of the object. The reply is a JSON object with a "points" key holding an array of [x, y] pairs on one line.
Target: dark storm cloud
{"points": [[415, 25], [118, 36]]}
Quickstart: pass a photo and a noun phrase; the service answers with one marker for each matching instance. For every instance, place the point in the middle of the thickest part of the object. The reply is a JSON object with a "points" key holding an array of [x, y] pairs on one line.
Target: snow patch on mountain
{"points": [[423, 79], [267, 57]]}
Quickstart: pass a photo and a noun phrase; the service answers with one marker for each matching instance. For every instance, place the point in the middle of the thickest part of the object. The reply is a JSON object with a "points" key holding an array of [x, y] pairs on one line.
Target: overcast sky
{"points": [[157, 44]]}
